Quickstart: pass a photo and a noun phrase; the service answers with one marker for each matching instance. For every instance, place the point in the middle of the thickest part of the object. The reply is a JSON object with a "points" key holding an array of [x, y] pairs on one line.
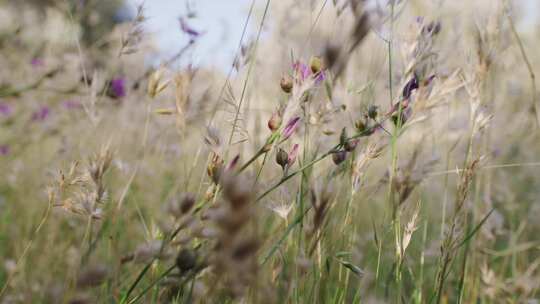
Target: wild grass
{"points": [[354, 152]]}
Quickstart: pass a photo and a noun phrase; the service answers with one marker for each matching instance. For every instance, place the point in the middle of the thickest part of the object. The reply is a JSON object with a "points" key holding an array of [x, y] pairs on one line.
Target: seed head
{"points": [[275, 121], [372, 111], [360, 125], [286, 84], [282, 158], [339, 157], [315, 64]]}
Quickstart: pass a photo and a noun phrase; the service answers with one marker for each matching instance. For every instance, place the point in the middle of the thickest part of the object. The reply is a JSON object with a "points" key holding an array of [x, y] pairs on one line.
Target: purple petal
{"points": [[320, 77], [233, 163], [292, 155], [302, 70], [41, 114], [72, 104], [4, 149], [5, 109], [409, 87], [291, 126], [37, 62]]}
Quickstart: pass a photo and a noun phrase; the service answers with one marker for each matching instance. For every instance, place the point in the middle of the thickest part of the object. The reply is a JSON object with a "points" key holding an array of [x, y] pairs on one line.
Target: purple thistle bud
{"points": [[291, 126], [41, 114], [118, 87], [291, 158], [5, 109], [4, 150]]}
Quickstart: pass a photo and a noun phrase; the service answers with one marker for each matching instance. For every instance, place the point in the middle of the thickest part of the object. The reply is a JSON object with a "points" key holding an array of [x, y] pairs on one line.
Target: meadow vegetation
{"points": [[354, 152]]}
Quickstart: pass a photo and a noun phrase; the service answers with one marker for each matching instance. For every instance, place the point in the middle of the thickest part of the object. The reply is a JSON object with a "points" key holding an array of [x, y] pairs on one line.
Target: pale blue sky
{"points": [[220, 20]]}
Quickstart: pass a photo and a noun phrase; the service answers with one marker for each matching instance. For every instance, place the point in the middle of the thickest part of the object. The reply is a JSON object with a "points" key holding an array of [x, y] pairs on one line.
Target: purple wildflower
{"points": [[118, 87], [72, 104], [291, 126], [4, 150], [5, 109], [37, 62], [41, 114]]}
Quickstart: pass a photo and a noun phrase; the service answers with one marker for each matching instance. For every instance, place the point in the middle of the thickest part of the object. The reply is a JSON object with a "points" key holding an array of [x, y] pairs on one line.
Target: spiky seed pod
{"points": [[282, 158], [372, 111], [286, 84], [339, 157]]}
